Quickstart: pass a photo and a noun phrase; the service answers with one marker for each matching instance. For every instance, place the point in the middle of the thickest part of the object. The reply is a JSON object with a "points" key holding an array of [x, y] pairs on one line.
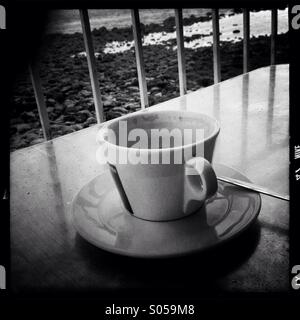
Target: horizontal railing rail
{"points": [[137, 35]]}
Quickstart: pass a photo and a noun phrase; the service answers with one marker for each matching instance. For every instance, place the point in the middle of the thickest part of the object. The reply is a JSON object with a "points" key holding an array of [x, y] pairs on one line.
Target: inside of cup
{"points": [[159, 130]]}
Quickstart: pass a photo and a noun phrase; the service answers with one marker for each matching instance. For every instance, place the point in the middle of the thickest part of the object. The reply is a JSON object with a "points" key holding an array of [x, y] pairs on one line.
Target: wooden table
{"points": [[47, 253]]}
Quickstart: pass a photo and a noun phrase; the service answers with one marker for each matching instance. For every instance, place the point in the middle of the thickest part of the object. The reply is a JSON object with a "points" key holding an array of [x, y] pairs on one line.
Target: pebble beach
{"points": [[65, 77]]}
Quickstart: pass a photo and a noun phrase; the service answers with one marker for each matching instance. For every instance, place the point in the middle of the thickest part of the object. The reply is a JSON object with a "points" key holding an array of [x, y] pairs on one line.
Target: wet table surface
{"points": [[47, 252]]}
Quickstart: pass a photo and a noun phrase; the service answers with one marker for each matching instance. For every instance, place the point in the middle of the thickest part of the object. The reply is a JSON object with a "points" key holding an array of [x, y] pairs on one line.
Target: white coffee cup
{"points": [[157, 179]]}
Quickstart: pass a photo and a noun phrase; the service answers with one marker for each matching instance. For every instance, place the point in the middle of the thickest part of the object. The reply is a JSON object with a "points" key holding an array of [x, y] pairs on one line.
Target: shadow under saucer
{"points": [[202, 271]]}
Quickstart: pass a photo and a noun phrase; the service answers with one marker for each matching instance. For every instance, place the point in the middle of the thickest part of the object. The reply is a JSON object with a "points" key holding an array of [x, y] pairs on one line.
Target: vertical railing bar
{"points": [[216, 45], [88, 42], [274, 24], [246, 24], [40, 99], [180, 52], [139, 57]]}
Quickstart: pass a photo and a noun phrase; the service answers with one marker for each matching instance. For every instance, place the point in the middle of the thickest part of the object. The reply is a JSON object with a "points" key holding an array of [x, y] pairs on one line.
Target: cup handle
{"points": [[199, 189]]}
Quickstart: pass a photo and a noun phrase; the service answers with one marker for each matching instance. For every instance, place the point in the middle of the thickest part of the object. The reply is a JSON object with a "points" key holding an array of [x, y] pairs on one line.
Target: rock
{"points": [[89, 102], [108, 97], [38, 140], [91, 107], [90, 120], [158, 83], [35, 124], [120, 109], [76, 86], [66, 89], [58, 96], [113, 114], [133, 88], [133, 82], [72, 109], [81, 117], [107, 104], [85, 125], [109, 101], [20, 143], [59, 107], [69, 117], [101, 76], [50, 109], [55, 127], [77, 127], [86, 112], [66, 129], [78, 107], [52, 116], [85, 93], [70, 105], [29, 136], [66, 80], [236, 31], [51, 101], [153, 89], [28, 116], [23, 127], [60, 119]]}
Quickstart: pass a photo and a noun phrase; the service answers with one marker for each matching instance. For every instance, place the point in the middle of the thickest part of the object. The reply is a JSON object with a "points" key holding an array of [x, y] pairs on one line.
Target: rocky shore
{"points": [[67, 86]]}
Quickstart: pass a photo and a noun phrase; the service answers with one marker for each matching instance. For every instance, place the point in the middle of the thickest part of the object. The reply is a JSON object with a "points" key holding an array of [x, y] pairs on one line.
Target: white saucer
{"points": [[101, 219]]}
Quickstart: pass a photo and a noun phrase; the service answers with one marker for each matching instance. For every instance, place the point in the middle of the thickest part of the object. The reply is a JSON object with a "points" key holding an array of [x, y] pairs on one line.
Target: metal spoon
{"points": [[251, 186]]}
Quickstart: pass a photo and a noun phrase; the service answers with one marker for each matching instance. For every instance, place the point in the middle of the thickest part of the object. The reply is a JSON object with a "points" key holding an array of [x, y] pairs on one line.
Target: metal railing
{"points": [[88, 42], [87, 35]]}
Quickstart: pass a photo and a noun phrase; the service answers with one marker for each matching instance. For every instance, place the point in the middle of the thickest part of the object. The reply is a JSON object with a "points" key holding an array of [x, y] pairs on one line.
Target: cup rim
{"points": [[215, 132]]}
